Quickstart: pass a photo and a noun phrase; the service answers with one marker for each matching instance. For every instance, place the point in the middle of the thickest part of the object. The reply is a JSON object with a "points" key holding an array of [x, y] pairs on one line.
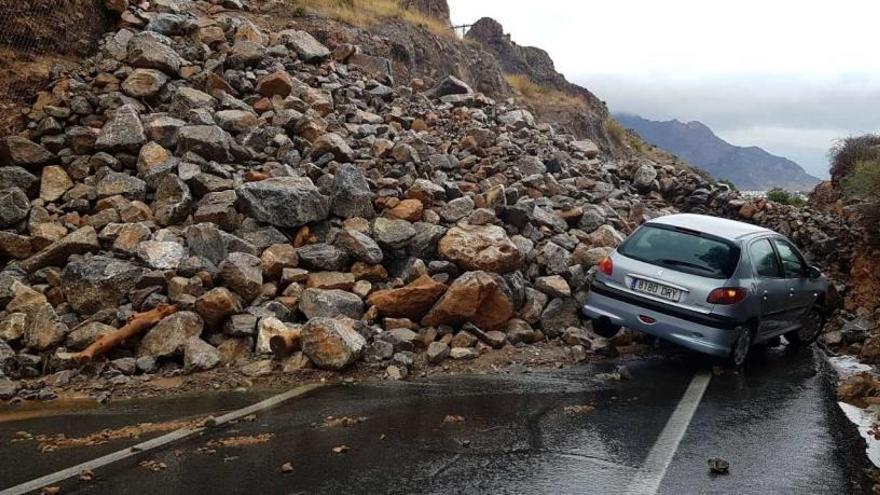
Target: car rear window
{"points": [[682, 250]]}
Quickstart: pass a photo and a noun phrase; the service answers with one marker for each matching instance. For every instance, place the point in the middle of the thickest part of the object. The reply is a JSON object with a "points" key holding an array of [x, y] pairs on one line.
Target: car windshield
{"points": [[683, 250]]}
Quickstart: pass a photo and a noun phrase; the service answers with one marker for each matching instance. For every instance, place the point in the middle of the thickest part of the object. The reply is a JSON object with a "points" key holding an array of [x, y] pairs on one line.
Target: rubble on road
{"points": [[265, 188]]}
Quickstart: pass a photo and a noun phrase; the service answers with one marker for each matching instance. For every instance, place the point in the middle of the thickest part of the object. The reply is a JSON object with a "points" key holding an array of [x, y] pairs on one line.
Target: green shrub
{"points": [[784, 197], [854, 149], [863, 181]]}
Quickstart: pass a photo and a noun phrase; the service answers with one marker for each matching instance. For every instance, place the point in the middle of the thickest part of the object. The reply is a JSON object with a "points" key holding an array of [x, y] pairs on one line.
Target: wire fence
{"points": [[36, 33]]}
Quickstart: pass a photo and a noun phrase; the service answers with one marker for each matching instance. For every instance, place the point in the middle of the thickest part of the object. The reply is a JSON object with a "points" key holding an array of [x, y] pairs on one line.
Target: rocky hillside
{"points": [[215, 191], [749, 168]]}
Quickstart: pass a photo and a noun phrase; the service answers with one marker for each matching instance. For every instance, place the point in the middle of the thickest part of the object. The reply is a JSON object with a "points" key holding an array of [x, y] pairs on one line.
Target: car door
{"points": [[771, 286], [800, 291]]}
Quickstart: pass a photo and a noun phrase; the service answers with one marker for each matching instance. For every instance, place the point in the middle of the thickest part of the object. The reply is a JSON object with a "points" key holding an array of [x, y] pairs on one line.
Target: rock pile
{"points": [[267, 185]]}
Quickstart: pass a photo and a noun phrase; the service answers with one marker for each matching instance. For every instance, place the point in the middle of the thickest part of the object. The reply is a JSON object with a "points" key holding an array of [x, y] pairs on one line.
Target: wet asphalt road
{"points": [[776, 425]]}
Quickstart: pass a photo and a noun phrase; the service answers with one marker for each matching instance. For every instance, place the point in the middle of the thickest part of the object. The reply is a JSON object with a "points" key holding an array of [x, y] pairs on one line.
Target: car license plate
{"points": [[655, 289]]}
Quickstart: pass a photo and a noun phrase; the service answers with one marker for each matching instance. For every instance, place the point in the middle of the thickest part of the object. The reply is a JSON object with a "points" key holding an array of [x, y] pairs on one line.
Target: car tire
{"points": [[605, 328], [739, 352], [811, 327]]}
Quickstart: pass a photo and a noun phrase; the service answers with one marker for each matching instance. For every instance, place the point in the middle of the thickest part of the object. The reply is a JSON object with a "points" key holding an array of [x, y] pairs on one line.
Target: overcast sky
{"points": [[790, 76]]}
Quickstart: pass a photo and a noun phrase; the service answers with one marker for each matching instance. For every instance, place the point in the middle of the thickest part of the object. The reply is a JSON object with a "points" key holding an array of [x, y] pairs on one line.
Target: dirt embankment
{"points": [[36, 36]]}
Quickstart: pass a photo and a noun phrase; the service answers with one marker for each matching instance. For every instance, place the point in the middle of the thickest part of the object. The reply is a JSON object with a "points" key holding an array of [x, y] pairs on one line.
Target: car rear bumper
{"points": [[709, 334]]}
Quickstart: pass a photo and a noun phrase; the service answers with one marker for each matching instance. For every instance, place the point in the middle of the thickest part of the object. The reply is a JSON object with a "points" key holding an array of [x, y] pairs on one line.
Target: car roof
{"points": [[721, 227]]}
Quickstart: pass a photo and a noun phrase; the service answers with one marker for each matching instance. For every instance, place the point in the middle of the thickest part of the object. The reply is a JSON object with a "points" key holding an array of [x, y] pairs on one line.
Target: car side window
{"points": [[764, 259], [792, 263]]}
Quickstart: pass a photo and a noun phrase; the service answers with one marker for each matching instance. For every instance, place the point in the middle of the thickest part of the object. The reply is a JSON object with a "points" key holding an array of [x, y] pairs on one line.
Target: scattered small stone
{"points": [[718, 465]]}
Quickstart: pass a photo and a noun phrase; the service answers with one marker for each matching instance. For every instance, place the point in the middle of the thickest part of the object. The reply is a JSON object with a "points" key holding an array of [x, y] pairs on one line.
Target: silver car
{"points": [[712, 285]]}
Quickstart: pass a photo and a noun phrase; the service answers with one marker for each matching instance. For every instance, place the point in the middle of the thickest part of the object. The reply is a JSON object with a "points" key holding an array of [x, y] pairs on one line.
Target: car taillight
{"points": [[606, 266], [727, 295]]}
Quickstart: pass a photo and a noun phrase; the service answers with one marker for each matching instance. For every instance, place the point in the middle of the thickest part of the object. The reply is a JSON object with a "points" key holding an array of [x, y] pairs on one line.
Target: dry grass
{"points": [[535, 93], [363, 13], [622, 136]]}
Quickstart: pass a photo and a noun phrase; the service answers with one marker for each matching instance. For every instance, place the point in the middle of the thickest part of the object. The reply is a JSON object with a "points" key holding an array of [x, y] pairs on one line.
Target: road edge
{"points": [[159, 442]]}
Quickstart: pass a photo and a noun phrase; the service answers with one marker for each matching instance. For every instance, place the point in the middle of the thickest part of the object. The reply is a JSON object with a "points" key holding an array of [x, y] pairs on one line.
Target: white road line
{"points": [[141, 448], [652, 472]]}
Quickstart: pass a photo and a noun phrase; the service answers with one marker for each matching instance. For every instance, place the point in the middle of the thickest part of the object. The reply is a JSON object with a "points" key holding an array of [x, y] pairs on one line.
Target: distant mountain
{"points": [[749, 168]]}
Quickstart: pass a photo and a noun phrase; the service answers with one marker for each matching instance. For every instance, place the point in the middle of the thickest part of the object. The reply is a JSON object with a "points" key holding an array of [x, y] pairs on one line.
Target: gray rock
{"points": [[283, 201], [186, 99], [144, 83], [316, 303], [531, 165], [173, 201], [450, 85], [334, 144], [170, 335], [560, 314], [360, 246], [81, 241], [14, 176], [322, 256], [23, 151], [145, 52], [208, 141], [393, 233], [118, 183], [161, 255], [351, 193], [123, 132], [644, 177], [307, 47], [83, 335], [97, 283], [205, 239], [437, 352], [199, 355], [457, 209], [14, 206]]}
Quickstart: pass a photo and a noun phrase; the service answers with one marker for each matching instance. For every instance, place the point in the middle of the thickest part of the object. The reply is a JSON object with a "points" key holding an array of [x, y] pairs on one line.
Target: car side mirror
{"points": [[814, 272]]}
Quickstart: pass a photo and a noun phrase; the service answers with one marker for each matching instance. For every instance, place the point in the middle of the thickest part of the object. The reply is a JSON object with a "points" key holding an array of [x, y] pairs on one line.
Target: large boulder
{"points": [[145, 52], [411, 301], [97, 283], [480, 247], [308, 48], [332, 343], [477, 297], [123, 132], [170, 335], [351, 193], [318, 303], [283, 201]]}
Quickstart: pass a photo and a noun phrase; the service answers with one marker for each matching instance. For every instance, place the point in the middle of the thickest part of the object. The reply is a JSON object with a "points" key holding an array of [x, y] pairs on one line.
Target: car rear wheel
{"points": [[605, 328], [741, 346], [811, 327]]}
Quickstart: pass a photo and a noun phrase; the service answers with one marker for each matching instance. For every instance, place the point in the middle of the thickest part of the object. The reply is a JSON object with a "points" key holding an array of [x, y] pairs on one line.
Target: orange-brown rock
{"points": [[409, 209], [477, 297], [480, 247], [411, 301]]}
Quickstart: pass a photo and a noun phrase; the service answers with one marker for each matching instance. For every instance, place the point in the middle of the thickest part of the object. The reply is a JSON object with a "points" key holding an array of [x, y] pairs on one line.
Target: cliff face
{"points": [[588, 121]]}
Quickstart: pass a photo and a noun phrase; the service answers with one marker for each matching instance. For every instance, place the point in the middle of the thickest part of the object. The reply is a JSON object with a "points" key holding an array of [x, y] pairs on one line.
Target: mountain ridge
{"points": [[748, 167]]}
